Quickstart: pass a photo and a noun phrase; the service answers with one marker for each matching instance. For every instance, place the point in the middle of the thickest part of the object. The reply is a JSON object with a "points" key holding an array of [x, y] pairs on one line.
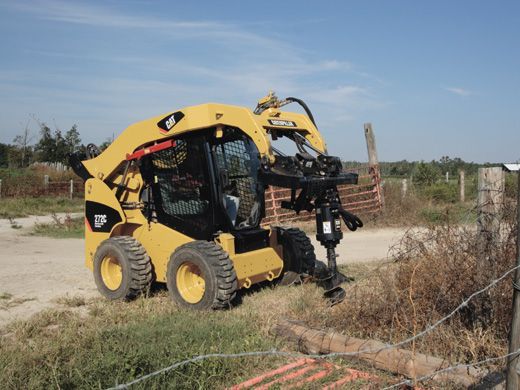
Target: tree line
{"points": [[54, 145], [51, 145], [424, 172]]}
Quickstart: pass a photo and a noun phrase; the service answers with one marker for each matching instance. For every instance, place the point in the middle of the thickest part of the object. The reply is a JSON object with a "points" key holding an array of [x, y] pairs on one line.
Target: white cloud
{"points": [[459, 91], [226, 63]]}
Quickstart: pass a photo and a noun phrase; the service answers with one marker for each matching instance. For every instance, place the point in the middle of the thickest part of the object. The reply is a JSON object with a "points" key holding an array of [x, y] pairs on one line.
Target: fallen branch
{"points": [[380, 355]]}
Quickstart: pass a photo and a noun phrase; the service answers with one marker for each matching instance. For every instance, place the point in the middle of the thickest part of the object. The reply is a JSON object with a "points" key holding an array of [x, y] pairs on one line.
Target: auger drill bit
{"points": [[328, 232]]}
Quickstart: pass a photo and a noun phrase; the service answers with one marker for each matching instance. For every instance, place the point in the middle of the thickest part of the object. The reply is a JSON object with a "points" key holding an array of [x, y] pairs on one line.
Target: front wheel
{"points": [[201, 275], [122, 269]]}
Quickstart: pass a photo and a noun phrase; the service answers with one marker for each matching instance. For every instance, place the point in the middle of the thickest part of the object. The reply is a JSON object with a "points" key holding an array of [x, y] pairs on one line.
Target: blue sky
{"points": [[435, 78]]}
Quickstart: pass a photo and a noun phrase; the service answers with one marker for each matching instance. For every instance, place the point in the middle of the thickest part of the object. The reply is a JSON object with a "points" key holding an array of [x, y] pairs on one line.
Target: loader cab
{"points": [[205, 184]]}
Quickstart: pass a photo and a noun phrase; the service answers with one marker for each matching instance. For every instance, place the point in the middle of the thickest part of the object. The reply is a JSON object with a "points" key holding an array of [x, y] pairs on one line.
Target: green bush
{"points": [[425, 174], [441, 192]]}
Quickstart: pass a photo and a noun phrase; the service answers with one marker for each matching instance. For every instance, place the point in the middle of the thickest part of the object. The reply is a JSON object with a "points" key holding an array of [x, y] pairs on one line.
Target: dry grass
{"points": [[435, 269], [72, 301]]}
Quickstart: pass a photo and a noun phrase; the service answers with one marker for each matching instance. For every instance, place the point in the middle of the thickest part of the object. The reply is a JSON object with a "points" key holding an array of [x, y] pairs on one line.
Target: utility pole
{"points": [[513, 367]]}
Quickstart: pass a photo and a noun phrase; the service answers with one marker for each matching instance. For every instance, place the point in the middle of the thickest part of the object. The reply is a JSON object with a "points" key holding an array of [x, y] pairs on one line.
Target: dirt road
{"points": [[35, 271], [363, 245]]}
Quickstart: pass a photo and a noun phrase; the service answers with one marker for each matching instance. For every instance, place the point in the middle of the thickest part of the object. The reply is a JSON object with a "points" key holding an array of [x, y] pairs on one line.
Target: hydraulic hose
{"points": [[304, 106], [352, 221]]}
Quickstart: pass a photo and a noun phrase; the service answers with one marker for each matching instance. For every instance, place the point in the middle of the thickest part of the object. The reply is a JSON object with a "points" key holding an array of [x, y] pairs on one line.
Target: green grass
{"points": [[23, 207], [115, 342], [61, 228], [458, 213]]}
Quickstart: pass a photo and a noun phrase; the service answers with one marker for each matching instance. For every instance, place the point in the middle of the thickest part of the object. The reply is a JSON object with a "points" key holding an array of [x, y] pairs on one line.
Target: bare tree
{"points": [[23, 141]]}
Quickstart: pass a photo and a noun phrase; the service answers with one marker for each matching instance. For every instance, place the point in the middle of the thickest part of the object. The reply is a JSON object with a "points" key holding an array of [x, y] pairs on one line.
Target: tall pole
{"points": [[513, 368]]}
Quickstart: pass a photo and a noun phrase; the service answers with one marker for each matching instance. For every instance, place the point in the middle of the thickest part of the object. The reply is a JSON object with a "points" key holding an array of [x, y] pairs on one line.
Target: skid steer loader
{"points": [[179, 199]]}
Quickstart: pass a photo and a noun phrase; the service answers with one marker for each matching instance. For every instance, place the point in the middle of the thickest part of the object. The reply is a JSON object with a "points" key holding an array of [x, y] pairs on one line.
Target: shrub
{"points": [[441, 192], [425, 174]]}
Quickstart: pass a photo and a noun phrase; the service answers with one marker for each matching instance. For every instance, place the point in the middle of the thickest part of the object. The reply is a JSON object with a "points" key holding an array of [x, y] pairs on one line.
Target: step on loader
{"points": [[179, 199]]}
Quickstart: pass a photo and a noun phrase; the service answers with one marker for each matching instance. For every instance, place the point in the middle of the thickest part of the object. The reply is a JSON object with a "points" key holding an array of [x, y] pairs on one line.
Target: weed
{"points": [[66, 227], [5, 295], [14, 224], [72, 301]]}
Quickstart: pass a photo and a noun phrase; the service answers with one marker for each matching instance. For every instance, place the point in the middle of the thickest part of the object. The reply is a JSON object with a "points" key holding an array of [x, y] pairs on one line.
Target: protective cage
{"points": [[243, 200], [202, 184]]}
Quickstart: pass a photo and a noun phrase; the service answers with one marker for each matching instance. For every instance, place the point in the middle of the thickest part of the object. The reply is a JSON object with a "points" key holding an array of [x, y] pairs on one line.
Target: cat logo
{"points": [[167, 123], [170, 122]]}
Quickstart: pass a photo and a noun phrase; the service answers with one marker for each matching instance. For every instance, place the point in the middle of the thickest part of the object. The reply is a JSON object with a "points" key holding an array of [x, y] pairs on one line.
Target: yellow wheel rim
{"points": [[190, 283], [111, 272]]}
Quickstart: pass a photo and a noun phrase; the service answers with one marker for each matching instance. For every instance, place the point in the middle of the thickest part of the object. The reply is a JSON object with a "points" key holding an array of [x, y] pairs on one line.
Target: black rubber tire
{"points": [[298, 252], [216, 269], [135, 265]]}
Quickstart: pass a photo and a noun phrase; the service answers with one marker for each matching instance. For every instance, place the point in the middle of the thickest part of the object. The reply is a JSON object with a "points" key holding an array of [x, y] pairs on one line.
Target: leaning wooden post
{"points": [[371, 145], [513, 363], [462, 187], [373, 161], [71, 192]]}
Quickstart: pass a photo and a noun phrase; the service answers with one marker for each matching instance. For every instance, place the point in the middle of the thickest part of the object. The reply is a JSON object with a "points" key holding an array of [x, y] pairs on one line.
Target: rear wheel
{"points": [[298, 254], [201, 275], [122, 269]]}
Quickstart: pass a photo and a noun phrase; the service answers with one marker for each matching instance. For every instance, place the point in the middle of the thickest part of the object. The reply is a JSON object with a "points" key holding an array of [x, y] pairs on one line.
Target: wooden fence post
{"points": [[462, 187], [46, 181], [513, 363], [71, 188], [404, 188], [491, 182], [373, 161], [371, 145], [0, 188]]}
